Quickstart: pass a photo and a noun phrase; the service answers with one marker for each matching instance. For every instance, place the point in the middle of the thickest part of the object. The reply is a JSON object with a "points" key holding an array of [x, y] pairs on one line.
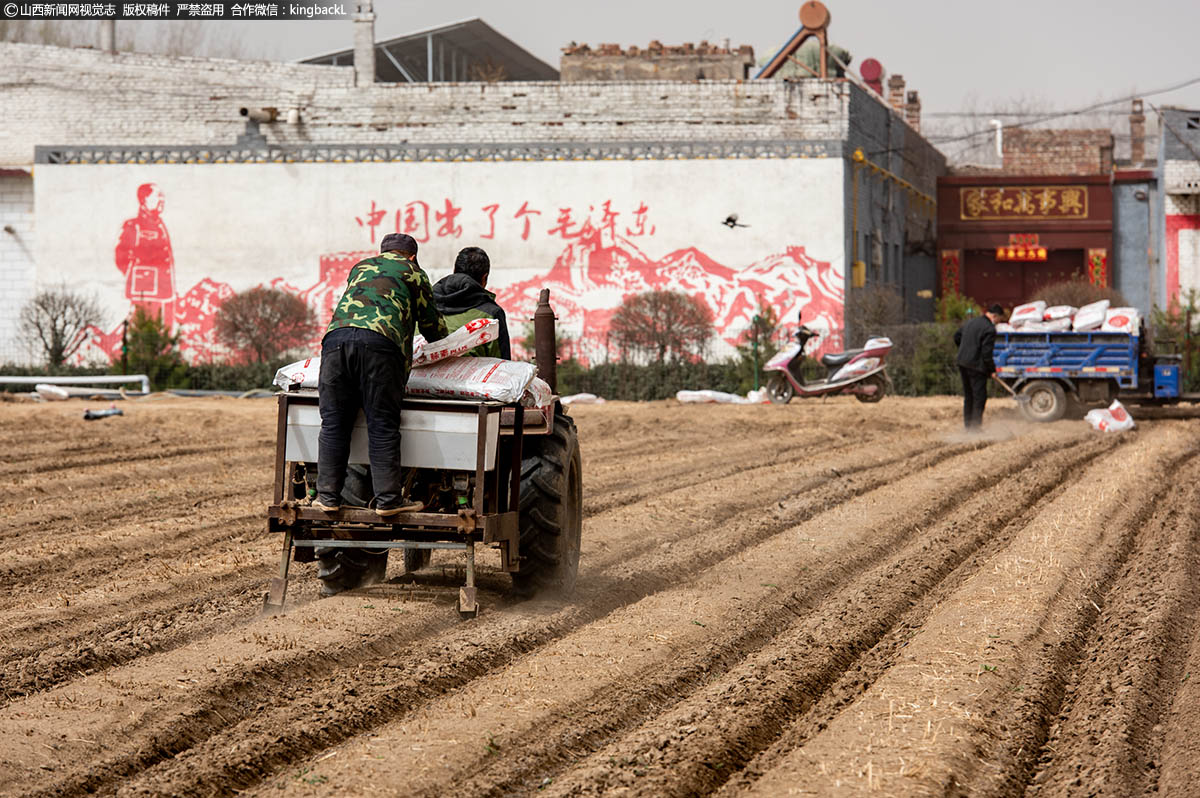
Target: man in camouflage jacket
{"points": [[365, 359]]}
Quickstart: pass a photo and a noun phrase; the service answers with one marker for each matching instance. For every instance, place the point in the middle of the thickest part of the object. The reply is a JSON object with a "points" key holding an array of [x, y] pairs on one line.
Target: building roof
{"points": [[460, 51]]}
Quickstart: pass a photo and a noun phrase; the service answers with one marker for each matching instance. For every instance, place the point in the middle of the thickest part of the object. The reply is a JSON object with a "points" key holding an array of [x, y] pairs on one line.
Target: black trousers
{"points": [[975, 385], [360, 369]]}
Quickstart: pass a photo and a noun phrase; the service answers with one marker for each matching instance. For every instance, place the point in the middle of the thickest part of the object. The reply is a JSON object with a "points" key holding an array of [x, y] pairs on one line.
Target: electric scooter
{"points": [[859, 372]]}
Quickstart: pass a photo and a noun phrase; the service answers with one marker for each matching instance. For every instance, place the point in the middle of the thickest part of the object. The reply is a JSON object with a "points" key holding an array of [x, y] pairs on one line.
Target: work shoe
{"points": [[411, 507], [325, 504]]}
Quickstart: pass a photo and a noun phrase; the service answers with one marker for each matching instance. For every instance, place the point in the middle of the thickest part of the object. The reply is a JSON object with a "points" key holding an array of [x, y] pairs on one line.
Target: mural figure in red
{"points": [[144, 256]]}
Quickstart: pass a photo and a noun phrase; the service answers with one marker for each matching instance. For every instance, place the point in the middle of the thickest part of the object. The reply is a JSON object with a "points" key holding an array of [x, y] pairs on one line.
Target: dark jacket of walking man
{"points": [[463, 296], [976, 340], [365, 359]]}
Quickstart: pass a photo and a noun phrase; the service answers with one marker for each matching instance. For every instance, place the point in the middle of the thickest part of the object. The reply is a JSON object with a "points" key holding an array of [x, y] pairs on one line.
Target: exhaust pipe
{"points": [[544, 344]]}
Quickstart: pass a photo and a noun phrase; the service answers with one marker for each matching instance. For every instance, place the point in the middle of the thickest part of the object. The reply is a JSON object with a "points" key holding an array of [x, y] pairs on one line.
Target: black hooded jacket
{"points": [[459, 293]]}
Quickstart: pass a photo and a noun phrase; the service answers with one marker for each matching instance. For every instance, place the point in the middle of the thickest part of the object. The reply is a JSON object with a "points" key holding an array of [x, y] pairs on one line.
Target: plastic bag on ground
{"points": [[301, 374], [582, 399], [51, 393], [1114, 418], [472, 378], [1028, 312], [1124, 320], [1091, 316], [472, 334], [720, 397]]}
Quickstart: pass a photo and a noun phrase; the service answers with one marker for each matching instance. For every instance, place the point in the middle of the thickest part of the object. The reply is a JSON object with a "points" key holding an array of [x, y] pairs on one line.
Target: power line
{"points": [[1084, 110]]}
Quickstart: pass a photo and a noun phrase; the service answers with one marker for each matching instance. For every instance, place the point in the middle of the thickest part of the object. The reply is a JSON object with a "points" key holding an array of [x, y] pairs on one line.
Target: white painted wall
{"points": [[235, 226], [16, 262]]}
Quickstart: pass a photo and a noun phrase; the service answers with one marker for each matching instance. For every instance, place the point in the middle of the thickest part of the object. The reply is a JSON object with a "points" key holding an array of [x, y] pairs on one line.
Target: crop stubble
{"points": [[824, 598]]}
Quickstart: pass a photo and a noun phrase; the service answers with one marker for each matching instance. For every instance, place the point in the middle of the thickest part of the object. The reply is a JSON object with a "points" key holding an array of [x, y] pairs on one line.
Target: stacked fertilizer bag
{"points": [[1114, 418], [440, 371], [1036, 317]]}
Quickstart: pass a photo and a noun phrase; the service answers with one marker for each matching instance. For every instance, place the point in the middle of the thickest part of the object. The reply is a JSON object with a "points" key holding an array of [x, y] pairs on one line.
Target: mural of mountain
{"points": [[588, 281]]}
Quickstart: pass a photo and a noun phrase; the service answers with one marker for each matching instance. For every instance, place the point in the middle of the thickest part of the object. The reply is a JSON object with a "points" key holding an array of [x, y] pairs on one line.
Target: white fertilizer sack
{"points": [[1031, 311], [486, 378], [1124, 320], [301, 374], [1090, 317], [1114, 418], [463, 340], [538, 394], [1058, 312]]}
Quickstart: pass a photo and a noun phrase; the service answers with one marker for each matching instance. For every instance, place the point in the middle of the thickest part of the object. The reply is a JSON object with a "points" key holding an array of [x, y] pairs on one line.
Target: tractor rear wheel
{"points": [[551, 511]]}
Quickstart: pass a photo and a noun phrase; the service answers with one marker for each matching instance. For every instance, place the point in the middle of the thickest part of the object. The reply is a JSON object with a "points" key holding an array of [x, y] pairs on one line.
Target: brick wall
{"points": [[83, 96], [16, 260], [1058, 152], [656, 62]]}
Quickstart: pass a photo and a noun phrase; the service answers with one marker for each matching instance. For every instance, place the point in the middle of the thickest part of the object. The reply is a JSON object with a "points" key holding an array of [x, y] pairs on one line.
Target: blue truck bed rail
{"points": [[1068, 355]]}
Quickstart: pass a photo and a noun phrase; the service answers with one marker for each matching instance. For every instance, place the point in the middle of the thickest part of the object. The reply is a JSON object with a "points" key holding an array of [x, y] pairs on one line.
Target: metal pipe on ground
{"points": [[98, 379]]}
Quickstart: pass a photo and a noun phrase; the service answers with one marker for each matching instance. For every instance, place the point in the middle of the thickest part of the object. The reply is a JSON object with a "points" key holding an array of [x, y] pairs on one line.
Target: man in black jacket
{"points": [[463, 296], [975, 341]]}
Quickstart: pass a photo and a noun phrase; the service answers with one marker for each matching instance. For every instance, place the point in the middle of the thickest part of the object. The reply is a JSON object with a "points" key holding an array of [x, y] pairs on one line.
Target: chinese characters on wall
{"points": [[427, 220], [1023, 202]]}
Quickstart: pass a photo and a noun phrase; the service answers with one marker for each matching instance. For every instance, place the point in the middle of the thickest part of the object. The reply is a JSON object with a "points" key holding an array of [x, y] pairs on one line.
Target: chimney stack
{"points": [[1137, 134], [896, 92], [364, 44], [912, 111], [108, 36]]}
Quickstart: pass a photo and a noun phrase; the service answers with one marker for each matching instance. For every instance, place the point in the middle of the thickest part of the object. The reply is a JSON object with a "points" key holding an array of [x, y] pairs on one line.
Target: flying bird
{"points": [[732, 222]]}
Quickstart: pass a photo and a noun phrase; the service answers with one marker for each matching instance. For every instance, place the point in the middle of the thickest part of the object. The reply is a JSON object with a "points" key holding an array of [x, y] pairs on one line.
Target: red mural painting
{"points": [[599, 267], [143, 255]]}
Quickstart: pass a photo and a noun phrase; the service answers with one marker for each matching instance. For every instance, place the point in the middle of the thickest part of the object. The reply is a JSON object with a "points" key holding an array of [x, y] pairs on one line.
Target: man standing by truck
{"points": [[463, 296], [365, 359], [976, 340]]}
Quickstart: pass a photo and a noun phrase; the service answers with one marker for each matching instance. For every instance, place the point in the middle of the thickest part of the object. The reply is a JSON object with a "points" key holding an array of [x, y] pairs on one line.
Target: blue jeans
{"points": [[360, 369]]}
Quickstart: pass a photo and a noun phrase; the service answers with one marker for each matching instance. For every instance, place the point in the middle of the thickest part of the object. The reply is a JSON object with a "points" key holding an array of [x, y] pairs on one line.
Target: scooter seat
{"points": [[839, 358]]}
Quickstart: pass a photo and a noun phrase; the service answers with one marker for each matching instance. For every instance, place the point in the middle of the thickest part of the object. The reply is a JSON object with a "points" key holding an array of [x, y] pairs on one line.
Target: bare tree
{"points": [[56, 321], [263, 323], [662, 325]]}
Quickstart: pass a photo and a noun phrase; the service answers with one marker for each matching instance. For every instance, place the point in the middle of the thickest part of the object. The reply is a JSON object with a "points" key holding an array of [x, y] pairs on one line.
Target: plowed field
{"points": [[825, 598]]}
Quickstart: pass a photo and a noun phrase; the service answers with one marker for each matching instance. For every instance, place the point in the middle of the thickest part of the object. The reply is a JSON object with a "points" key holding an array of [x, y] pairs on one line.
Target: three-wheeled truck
{"points": [[489, 473], [1087, 368]]}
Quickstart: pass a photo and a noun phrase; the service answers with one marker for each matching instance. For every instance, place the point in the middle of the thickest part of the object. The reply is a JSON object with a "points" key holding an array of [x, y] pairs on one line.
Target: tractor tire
{"points": [[779, 390], [345, 569], [881, 385], [551, 512], [1047, 401]]}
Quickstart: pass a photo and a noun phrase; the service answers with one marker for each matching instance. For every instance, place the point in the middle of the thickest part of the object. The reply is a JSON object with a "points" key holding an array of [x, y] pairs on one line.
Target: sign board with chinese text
{"points": [[1023, 202]]}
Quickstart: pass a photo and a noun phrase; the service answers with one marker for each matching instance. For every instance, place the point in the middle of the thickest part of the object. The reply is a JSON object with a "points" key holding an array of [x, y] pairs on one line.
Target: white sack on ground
{"points": [[1114, 418], [1091, 316], [472, 334], [582, 399], [721, 397], [51, 393], [486, 378]]}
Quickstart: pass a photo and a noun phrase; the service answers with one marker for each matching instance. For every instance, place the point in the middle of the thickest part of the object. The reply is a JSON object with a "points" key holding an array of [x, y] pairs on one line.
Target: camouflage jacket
{"points": [[390, 295]]}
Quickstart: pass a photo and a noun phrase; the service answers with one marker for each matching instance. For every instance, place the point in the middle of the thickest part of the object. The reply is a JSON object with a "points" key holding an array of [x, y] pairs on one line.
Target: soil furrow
{"points": [[625, 582], [699, 742]]}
